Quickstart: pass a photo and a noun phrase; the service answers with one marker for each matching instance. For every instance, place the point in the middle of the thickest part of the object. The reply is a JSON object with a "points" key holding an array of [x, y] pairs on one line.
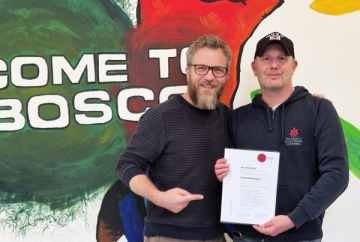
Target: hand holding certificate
{"points": [[249, 188]]}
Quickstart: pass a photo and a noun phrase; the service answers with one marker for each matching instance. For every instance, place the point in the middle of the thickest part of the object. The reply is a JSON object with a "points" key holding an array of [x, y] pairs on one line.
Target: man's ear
{"points": [[295, 64], [187, 73], [227, 75], [253, 67]]}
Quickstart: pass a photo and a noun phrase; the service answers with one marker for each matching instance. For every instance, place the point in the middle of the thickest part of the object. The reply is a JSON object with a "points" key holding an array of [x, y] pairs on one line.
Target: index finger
{"points": [[195, 197]]}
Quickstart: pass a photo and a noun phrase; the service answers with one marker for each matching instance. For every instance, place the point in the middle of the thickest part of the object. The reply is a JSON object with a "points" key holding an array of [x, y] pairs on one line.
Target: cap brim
{"points": [[261, 51]]}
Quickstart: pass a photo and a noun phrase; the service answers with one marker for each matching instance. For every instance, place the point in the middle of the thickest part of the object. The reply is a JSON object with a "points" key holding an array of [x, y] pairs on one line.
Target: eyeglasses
{"points": [[217, 71]]}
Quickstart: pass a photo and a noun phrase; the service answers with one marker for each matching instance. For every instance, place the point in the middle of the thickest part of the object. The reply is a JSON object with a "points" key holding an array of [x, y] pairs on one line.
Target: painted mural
{"points": [[76, 76]]}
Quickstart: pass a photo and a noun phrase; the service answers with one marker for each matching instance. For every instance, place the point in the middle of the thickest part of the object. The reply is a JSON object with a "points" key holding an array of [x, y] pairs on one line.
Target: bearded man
{"points": [[178, 141]]}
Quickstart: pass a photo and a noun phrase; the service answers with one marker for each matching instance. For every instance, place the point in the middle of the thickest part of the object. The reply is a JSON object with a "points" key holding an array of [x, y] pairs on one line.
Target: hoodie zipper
{"points": [[272, 130]]}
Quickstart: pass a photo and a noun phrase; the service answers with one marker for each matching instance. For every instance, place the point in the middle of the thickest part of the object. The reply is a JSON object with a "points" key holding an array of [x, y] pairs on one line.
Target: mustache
{"points": [[209, 83]]}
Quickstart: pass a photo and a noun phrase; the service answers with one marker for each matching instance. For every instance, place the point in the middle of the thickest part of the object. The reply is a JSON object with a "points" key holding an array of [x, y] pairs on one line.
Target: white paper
{"points": [[249, 188]]}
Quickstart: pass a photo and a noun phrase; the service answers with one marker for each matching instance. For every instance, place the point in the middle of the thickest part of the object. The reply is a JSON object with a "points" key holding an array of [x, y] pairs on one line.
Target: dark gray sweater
{"points": [[180, 145]]}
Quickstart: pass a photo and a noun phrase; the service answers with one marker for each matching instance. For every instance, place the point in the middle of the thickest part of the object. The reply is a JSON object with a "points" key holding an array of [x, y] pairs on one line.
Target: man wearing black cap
{"points": [[306, 130]]}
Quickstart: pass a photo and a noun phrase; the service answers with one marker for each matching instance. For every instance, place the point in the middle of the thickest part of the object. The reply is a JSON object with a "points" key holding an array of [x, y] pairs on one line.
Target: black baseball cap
{"points": [[275, 37]]}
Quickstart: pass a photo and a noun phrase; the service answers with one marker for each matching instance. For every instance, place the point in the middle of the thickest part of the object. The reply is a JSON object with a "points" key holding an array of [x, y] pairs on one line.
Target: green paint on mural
{"points": [[253, 93], [352, 137], [129, 8], [48, 176]]}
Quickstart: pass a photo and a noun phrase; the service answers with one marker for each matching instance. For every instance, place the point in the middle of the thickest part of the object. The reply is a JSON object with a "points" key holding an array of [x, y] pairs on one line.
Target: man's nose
{"points": [[209, 75], [274, 64]]}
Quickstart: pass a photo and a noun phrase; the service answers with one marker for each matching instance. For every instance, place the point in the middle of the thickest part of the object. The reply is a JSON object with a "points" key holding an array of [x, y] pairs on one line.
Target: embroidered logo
{"points": [[294, 132], [274, 36], [294, 140]]}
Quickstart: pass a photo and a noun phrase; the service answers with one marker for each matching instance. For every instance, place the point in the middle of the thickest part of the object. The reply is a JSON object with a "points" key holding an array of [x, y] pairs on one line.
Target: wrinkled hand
{"points": [[176, 199], [320, 96], [275, 226], [221, 169]]}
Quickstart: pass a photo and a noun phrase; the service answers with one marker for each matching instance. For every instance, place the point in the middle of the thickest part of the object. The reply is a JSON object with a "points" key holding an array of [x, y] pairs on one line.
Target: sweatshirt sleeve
{"points": [[333, 167], [145, 146]]}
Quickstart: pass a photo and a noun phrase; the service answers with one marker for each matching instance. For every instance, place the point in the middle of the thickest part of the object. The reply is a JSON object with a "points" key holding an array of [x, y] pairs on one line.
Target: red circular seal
{"points": [[261, 157]]}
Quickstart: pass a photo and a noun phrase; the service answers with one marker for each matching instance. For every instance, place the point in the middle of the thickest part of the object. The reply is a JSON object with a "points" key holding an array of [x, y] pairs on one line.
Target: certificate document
{"points": [[249, 189]]}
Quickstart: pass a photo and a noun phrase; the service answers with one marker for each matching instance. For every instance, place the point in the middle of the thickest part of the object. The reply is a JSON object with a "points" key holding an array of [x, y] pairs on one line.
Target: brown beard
{"points": [[203, 101]]}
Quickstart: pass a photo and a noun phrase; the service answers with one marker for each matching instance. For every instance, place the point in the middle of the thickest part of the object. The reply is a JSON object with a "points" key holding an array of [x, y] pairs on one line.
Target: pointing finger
{"points": [[195, 197]]}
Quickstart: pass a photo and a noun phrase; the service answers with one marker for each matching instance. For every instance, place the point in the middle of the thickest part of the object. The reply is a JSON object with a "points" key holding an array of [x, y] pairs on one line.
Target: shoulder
{"points": [[225, 109], [242, 109], [168, 105], [155, 117], [319, 104], [320, 110]]}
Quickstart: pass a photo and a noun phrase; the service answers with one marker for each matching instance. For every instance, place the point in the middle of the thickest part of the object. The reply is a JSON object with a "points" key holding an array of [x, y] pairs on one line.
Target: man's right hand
{"points": [[221, 169], [176, 199]]}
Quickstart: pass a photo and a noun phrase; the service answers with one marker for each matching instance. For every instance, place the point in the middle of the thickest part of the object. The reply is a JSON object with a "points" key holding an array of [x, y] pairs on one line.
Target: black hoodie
{"points": [[313, 168]]}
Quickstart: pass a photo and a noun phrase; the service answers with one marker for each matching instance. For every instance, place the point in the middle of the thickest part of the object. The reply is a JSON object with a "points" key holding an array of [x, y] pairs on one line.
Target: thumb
{"points": [[267, 224]]}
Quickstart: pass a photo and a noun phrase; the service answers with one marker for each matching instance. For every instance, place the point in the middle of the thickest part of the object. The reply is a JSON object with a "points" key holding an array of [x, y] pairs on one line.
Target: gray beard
{"points": [[204, 101]]}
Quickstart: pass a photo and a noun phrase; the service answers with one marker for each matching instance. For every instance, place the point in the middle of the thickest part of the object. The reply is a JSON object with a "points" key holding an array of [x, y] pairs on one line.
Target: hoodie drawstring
{"points": [[282, 123], [270, 122]]}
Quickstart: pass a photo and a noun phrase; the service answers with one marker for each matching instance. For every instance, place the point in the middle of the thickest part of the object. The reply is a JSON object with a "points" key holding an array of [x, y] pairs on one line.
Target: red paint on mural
{"points": [[166, 24]]}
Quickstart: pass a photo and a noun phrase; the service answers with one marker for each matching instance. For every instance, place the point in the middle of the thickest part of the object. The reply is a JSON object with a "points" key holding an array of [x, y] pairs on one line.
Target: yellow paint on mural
{"points": [[335, 7]]}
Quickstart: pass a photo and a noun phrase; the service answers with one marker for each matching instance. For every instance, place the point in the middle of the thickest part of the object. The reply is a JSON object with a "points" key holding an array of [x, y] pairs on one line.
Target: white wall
{"points": [[328, 50]]}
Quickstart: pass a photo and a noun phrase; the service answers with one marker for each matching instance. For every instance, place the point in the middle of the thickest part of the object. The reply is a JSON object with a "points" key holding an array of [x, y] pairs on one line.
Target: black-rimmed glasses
{"points": [[217, 71]]}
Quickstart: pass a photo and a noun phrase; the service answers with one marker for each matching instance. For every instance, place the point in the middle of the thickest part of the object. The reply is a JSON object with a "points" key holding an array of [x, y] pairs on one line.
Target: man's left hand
{"points": [[275, 226]]}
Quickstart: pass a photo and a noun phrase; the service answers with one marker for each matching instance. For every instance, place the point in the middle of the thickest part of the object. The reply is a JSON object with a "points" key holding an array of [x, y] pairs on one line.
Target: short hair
{"points": [[210, 41]]}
